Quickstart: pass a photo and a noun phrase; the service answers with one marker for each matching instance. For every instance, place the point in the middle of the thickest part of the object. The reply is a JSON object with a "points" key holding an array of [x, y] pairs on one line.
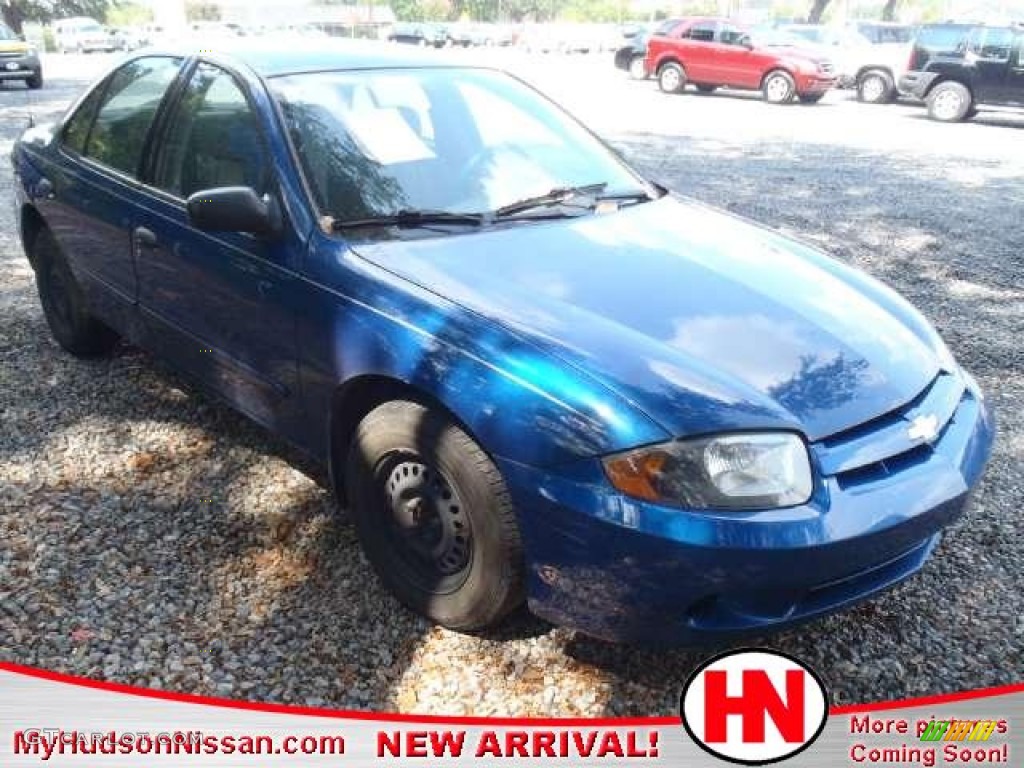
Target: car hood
{"points": [[13, 46], [700, 319]]}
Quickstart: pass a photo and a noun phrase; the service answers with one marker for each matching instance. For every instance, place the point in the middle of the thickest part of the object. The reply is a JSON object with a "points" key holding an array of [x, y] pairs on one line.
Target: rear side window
{"points": [[76, 130], [703, 32], [991, 43], [129, 106]]}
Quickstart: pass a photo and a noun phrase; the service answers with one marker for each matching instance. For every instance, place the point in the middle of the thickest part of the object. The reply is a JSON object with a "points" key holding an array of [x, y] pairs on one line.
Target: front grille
{"points": [[885, 446]]}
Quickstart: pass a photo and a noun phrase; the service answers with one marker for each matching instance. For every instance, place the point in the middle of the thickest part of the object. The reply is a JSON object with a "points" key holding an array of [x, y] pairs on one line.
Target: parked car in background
{"points": [[711, 52], [126, 38], [653, 421], [419, 33], [871, 68], [80, 34], [884, 32], [630, 57], [19, 60], [959, 68]]}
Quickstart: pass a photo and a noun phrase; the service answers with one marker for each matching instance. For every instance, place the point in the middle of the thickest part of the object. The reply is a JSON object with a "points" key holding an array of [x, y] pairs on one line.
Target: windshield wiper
{"points": [[556, 196], [410, 219]]}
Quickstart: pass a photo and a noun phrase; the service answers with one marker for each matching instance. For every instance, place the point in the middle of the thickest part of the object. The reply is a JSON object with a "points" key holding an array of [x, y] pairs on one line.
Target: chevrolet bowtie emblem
{"points": [[924, 427]]}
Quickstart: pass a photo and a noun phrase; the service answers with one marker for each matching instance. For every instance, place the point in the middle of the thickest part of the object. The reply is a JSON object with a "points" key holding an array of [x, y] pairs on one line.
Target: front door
{"points": [[221, 304], [988, 53]]}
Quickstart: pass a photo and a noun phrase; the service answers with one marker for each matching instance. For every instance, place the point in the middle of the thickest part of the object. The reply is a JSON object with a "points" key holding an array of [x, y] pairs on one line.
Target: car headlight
{"points": [[758, 470]]}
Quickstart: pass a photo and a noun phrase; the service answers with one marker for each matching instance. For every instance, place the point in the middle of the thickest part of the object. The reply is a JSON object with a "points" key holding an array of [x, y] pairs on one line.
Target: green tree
{"points": [[128, 14], [16, 12]]}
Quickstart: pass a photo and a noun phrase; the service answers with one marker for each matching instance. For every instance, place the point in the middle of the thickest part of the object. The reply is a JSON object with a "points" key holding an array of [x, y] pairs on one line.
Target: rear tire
{"points": [[671, 78], [949, 102], [876, 87], [778, 87], [64, 305], [434, 517]]}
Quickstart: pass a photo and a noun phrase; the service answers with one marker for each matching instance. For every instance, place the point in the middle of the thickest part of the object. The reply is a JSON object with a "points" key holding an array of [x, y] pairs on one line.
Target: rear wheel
{"points": [[875, 87], [64, 306], [671, 77], [949, 102], [778, 87], [434, 517]]}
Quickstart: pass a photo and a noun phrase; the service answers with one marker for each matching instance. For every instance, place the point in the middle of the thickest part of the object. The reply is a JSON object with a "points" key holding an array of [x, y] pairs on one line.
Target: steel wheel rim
{"points": [[873, 88], [426, 524], [947, 104], [670, 79], [778, 88]]}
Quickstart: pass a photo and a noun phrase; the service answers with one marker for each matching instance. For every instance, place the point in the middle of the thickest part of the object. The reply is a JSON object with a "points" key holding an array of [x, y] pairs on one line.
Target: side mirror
{"points": [[234, 209]]}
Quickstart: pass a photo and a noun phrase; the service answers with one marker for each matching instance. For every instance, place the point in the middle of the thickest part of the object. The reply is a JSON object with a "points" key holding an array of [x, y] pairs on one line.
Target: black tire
{"points": [[707, 88], [64, 306], [949, 102], [778, 87], [434, 517], [35, 82], [671, 77], [810, 98], [637, 68], [876, 87]]}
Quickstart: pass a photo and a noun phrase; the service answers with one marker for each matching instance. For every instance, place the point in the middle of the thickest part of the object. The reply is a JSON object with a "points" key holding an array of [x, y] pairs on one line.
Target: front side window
{"points": [[213, 138], [373, 143], [129, 105], [992, 43], [730, 35]]}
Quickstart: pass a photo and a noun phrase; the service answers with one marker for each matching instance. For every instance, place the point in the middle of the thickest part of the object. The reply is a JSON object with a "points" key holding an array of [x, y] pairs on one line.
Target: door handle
{"points": [[145, 237]]}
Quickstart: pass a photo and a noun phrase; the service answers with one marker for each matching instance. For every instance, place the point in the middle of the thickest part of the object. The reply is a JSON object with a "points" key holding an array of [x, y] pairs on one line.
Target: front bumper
{"points": [[19, 67], [916, 84], [629, 571], [816, 83]]}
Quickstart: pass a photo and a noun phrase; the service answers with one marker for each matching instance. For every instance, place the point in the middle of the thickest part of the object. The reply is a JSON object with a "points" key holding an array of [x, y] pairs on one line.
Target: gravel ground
{"points": [[151, 536]]}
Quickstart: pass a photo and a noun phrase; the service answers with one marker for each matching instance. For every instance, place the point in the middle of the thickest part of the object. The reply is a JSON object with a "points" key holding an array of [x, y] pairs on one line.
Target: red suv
{"points": [[717, 52]]}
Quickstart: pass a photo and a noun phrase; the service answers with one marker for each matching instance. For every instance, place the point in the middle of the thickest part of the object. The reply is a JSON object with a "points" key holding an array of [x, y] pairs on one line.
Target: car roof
{"points": [[270, 58]]}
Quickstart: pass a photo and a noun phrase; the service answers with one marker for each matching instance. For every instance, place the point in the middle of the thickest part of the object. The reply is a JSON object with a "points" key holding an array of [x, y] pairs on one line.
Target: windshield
{"points": [[6, 34], [374, 143]]}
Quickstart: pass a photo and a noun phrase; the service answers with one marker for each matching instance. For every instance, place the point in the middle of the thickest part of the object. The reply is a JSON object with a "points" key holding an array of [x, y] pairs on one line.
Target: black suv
{"points": [[957, 68]]}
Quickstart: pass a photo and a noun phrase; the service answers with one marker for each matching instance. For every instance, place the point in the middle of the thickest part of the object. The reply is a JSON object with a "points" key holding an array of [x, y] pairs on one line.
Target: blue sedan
{"points": [[533, 374]]}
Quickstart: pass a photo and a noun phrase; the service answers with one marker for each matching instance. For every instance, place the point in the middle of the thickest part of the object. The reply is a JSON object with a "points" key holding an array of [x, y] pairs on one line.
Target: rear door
{"points": [[96, 185], [698, 52], [988, 56], [220, 304], [1016, 74]]}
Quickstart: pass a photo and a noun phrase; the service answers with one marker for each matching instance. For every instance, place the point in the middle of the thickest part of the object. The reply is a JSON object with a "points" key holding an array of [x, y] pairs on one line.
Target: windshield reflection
{"points": [[459, 140]]}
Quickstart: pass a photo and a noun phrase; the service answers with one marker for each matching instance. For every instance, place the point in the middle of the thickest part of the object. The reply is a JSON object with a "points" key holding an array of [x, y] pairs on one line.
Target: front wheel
{"points": [[671, 78], [949, 102], [434, 517], [637, 68], [876, 87], [64, 306], [778, 87]]}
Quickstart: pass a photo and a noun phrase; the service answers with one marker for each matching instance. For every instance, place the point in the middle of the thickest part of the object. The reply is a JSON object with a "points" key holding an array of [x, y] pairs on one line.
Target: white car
{"points": [[80, 34], [871, 68]]}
